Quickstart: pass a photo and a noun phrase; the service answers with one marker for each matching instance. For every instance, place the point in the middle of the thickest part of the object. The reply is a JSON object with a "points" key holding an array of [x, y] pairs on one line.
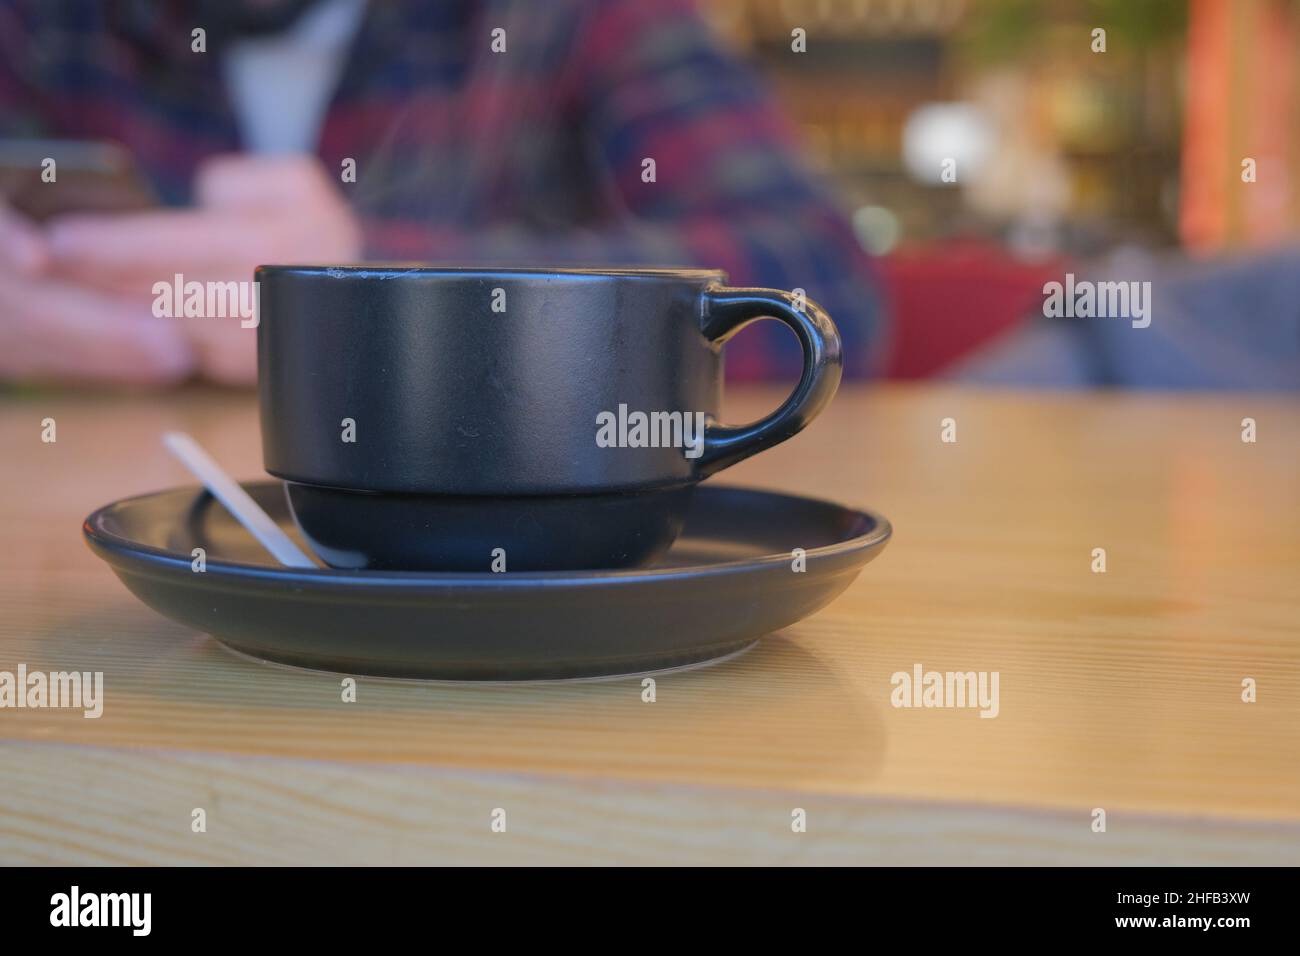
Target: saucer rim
{"points": [[137, 558]]}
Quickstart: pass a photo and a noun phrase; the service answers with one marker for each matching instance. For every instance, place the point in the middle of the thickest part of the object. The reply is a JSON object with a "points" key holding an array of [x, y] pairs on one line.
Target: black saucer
{"points": [[726, 582]]}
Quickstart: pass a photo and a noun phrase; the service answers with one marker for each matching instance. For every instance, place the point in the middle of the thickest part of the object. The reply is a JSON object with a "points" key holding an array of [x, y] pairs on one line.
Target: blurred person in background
{"points": [[527, 146]]}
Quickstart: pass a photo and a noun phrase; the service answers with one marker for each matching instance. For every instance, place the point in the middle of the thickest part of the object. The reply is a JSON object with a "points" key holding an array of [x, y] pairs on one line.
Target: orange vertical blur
{"points": [[1241, 102], [1203, 221], [1268, 206]]}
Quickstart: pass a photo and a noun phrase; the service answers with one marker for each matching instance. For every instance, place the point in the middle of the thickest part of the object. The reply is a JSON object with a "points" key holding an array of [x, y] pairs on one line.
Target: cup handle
{"points": [[726, 312]]}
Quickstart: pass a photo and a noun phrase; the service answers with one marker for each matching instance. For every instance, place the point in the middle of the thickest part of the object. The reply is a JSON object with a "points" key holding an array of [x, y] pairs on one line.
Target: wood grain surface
{"points": [[1119, 691]]}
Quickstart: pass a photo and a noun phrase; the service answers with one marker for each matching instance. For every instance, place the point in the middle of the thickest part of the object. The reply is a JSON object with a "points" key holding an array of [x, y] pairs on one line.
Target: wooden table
{"points": [[1119, 691]]}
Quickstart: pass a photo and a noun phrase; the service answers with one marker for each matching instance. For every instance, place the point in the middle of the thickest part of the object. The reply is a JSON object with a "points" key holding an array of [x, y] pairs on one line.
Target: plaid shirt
{"points": [[530, 156]]}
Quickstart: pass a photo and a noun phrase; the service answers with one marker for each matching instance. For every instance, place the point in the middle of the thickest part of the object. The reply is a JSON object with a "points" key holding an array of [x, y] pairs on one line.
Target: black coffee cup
{"points": [[479, 419]]}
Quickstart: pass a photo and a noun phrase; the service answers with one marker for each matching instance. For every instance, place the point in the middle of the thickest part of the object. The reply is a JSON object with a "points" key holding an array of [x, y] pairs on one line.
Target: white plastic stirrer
{"points": [[236, 500]]}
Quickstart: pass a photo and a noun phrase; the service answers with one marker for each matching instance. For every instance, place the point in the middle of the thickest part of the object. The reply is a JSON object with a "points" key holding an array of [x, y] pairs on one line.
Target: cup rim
{"points": [[383, 270]]}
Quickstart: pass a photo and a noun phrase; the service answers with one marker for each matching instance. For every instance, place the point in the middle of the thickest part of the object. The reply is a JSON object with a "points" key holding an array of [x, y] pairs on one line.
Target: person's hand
{"points": [[250, 211], [56, 330]]}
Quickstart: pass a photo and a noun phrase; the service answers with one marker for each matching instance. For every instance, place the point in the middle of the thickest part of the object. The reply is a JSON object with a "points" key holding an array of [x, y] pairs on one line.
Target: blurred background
{"points": [[980, 148], [1065, 149]]}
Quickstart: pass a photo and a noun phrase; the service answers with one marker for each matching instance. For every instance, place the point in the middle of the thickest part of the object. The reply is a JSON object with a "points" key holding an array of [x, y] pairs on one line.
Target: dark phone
{"points": [[87, 177]]}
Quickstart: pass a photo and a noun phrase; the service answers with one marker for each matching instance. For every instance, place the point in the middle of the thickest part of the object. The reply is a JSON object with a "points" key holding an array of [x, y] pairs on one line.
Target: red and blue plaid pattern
{"points": [[535, 155]]}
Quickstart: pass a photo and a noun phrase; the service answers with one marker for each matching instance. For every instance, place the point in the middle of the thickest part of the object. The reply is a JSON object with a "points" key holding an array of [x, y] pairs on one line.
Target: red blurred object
{"points": [[946, 300]]}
